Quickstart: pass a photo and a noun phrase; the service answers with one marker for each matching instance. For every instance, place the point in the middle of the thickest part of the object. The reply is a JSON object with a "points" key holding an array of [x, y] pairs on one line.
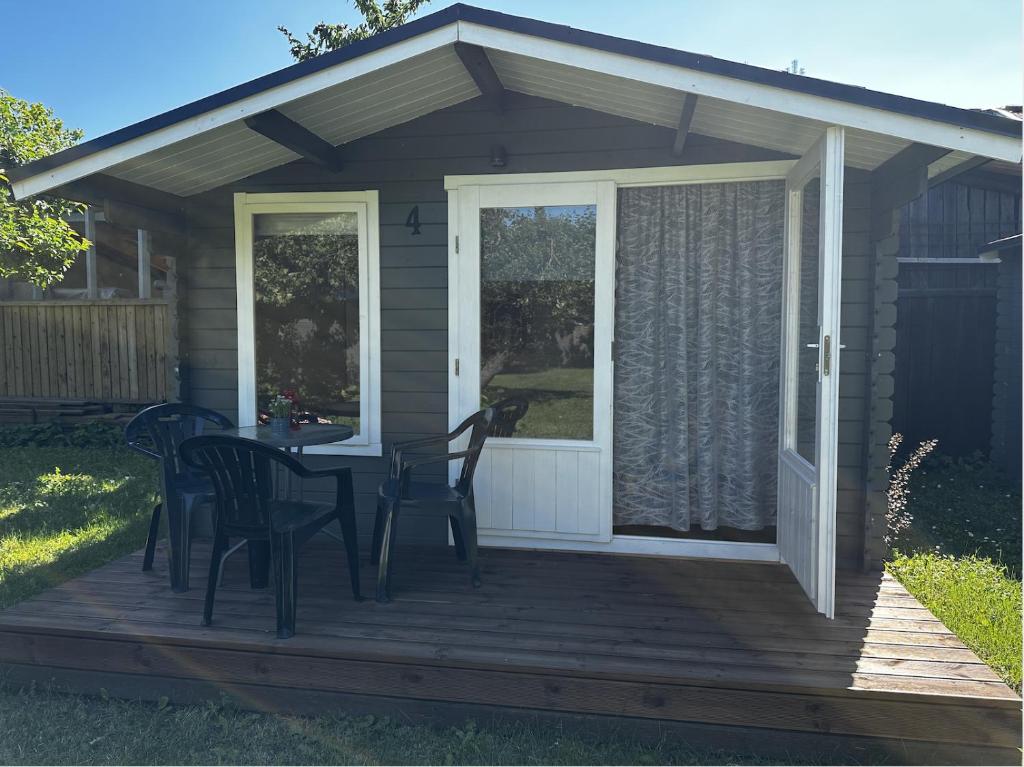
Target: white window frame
{"points": [[366, 206]]}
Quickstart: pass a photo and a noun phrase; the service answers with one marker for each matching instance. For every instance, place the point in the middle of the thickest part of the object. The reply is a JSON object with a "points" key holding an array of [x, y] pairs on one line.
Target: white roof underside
{"points": [[437, 79]]}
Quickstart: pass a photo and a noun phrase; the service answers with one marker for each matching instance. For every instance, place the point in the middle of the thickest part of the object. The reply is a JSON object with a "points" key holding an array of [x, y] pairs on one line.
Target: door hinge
{"points": [[826, 355], [456, 366], [456, 243]]}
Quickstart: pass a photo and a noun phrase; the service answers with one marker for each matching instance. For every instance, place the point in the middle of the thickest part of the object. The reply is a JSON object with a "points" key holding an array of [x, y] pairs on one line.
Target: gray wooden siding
{"points": [[407, 164]]}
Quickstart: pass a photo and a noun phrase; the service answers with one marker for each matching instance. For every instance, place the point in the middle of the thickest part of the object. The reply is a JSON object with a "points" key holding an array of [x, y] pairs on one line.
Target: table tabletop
{"points": [[308, 434]]}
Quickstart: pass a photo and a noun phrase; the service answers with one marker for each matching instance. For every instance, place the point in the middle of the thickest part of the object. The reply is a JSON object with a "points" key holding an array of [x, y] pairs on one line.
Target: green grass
{"points": [[976, 599], [561, 401], [961, 557], [56, 728], [65, 511]]}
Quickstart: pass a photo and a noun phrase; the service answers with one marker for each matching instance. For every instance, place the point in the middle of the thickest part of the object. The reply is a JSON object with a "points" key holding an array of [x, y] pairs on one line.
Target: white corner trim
{"points": [[825, 110], [237, 110], [623, 177], [366, 206]]}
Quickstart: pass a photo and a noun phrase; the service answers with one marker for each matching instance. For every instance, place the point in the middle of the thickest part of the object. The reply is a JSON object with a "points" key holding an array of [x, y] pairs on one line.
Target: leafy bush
{"points": [[964, 507], [94, 434]]}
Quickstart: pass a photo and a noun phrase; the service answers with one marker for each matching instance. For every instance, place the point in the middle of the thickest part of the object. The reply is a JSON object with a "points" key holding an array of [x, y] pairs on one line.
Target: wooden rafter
{"points": [[962, 167], [685, 120], [291, 135], [897, 181], [474, 59]]}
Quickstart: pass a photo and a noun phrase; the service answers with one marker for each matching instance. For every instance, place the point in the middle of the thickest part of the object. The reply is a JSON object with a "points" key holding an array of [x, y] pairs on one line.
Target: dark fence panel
{"points": [[944, 355]]}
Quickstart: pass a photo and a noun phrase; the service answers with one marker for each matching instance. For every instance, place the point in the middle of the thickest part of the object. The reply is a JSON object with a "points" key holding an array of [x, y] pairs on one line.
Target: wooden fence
{"points": [[105, 351], [945, 342]]}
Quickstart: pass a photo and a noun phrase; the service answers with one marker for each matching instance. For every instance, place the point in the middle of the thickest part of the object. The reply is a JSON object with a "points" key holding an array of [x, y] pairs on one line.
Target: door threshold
{"points": [[644, 546]]}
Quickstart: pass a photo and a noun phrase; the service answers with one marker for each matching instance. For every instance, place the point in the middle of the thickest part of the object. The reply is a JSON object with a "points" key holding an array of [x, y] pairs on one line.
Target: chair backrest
{"points": [[480, 423], [159, 430], [507, 414], [242, 477]]}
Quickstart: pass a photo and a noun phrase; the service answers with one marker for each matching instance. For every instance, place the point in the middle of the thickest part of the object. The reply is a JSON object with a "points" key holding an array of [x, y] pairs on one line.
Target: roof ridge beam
{"points": [[293, 136], [685, 120], [474, 59]]}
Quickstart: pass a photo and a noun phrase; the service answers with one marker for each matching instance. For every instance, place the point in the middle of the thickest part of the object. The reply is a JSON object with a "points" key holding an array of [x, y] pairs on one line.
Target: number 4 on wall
{"points": [[413, 219]]}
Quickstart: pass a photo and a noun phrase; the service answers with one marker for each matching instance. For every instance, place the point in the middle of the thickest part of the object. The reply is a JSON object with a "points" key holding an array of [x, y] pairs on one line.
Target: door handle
{"points": [[826, 357]]}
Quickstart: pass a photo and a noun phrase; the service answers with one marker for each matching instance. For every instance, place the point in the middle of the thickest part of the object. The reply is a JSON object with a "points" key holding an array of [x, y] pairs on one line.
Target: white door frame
{"points": [[589, 518], [806, 530], [463, 200]]}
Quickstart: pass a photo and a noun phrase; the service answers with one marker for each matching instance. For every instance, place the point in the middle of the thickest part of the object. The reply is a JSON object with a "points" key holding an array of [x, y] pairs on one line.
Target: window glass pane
{"points": [[807, 365], [306, 278], [537, 315]]}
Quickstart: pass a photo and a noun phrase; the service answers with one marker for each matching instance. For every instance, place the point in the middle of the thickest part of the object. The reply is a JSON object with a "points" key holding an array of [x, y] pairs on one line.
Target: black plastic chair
{"points": [[157, 432], [249, 506], [507, 415], [454, 501]]}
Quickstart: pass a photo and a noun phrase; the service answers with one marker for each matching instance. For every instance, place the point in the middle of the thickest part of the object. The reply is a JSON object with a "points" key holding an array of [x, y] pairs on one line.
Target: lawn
{"points": [[65, 511], [55, 728], [961, 557], [561, 401]]}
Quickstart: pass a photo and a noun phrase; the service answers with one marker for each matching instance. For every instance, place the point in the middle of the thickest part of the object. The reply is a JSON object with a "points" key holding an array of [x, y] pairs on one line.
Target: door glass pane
{"points": [[537, 315], [306, 280], [807, 352]]}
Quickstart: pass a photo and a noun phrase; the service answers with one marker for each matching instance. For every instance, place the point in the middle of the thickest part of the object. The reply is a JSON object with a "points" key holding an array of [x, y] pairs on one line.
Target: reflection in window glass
{"points": [[306, 278], [537, 315], [807, 353]]}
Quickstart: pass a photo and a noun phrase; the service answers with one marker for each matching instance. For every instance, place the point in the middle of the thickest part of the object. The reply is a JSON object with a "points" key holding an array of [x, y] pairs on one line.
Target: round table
{"points": [[308, 434]]}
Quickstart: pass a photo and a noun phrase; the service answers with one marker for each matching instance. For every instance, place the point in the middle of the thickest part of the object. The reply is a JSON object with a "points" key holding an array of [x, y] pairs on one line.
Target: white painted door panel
{"points": [[809, 384]]}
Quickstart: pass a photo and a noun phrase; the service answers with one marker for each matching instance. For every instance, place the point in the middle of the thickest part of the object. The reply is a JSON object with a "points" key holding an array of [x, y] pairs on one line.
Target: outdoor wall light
{"points": [[499, 157]]}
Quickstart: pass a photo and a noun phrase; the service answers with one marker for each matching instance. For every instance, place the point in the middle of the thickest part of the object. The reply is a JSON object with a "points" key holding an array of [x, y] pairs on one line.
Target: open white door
{"points": [[809, 389]]}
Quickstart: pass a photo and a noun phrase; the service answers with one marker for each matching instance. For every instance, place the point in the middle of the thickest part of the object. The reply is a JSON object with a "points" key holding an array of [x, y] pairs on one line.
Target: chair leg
{"points": [[259, 563], [347, 520], [220, 544], [287, 581], [378, 533], [179, 513], [154, 533], [468, 524], [460, 544], [388, 536]]}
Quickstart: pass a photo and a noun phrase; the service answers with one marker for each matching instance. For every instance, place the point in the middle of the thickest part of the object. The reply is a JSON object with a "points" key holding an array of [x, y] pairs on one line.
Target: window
{"points": [[308, 309], [537, 315]]}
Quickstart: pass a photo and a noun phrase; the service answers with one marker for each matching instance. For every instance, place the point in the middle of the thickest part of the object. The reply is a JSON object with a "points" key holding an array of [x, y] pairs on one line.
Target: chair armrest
{"points": [[408, 466], [395, 465], [343, 481]]}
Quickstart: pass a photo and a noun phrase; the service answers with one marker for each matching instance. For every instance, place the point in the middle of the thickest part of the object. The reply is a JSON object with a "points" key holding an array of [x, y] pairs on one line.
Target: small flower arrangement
{"points": [[280, 407]]}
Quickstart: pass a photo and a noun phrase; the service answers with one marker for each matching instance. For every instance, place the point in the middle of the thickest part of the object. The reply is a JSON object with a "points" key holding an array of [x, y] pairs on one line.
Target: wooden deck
{"points": [[729, 649]]}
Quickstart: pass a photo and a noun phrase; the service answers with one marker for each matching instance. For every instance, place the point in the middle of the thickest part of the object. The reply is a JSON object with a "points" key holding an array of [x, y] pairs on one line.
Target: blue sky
{"points": [[102, 65]]}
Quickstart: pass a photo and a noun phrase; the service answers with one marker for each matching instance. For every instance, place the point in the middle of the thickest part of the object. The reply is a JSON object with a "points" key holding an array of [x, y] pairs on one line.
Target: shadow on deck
{"points": [[730, 654]]}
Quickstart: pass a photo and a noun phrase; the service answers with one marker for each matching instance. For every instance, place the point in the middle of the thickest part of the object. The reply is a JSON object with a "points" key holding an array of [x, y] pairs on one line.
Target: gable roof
{"points": [[550, 60]]}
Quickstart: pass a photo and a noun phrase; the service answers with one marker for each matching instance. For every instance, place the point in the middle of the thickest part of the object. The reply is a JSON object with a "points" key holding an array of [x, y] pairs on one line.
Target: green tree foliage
{"points": [[379, 17], [307, 319], [536, 289], [36, 243]]}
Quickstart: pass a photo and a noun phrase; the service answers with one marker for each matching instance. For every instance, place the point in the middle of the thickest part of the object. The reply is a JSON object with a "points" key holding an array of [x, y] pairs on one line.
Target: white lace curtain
{"points": [[697, 331]]}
